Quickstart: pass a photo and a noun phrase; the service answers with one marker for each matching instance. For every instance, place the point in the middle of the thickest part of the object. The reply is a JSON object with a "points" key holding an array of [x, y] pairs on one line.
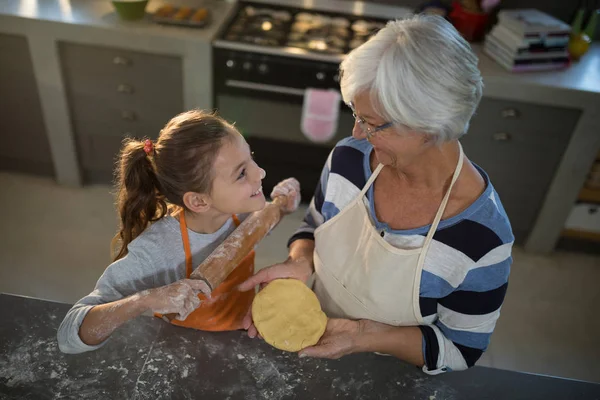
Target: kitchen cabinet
{"points": [[25, 146], [113, 94], [520, 146]]}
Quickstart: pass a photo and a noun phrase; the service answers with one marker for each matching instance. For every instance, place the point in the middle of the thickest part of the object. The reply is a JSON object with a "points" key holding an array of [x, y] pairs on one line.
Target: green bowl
{"points": [[131, 10]]}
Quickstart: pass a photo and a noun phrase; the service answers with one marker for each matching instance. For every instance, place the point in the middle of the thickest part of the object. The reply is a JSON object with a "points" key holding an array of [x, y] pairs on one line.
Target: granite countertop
{"points": [[149, 359], [583, 75]]}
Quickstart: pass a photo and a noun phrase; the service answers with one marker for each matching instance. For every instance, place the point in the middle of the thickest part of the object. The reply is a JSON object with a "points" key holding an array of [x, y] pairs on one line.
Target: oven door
{"points": [[267, 110]]}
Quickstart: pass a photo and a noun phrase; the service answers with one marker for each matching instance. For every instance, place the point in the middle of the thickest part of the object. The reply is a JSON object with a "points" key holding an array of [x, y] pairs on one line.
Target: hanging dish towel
{"points": [[320, 114]]}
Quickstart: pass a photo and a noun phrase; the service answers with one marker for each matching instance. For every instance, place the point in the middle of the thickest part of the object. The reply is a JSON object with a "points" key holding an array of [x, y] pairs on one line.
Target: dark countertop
{"points": [[149, 359]]}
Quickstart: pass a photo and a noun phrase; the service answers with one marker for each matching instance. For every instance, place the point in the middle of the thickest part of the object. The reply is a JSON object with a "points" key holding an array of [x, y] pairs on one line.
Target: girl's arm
{"points": [[179, 298], [127, 288]]}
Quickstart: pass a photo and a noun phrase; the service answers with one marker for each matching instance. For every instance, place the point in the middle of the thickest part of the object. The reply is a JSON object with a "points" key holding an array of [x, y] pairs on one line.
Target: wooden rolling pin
{"points": [[226, 257]]}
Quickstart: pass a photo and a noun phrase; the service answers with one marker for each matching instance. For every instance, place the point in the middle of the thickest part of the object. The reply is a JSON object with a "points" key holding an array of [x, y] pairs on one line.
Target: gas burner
{"points": [[330, 44], [320, 33], [283, 16], [366, 28], [311, 31], [260, 26]]}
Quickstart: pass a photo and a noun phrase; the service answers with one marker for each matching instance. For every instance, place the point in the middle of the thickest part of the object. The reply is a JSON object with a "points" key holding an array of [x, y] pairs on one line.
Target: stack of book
{"points": [[528, 40]]}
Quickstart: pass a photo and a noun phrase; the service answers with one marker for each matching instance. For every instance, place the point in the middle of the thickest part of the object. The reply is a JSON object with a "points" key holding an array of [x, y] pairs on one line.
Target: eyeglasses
{"points": [[365, 126]]}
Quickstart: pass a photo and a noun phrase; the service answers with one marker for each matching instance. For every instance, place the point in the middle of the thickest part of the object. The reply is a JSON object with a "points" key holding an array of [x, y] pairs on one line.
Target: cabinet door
{"points": [[520, 146], [115, 93], [25, 145]]}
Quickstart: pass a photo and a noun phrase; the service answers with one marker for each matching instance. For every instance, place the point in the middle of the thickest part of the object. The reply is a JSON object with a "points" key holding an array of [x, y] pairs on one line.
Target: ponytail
{"points": [[139, 197], [150, 176]]}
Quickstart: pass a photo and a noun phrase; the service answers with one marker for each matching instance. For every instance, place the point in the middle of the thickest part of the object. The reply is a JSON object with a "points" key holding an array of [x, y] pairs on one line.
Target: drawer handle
{"points": [[501, 137], [128, 115], [118, 60], [510, 113], [124, 88]]}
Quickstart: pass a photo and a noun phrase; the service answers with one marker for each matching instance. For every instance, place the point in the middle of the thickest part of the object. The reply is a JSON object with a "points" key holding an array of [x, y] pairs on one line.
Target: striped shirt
{"points": [[465, 273]]}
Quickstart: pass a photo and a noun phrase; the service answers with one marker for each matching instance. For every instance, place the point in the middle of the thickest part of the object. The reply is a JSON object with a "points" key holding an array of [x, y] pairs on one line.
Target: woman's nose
{"points": [[357, 132]]}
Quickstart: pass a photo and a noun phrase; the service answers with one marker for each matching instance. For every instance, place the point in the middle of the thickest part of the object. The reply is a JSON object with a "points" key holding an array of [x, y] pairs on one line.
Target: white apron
{"points": [[361, 276]]}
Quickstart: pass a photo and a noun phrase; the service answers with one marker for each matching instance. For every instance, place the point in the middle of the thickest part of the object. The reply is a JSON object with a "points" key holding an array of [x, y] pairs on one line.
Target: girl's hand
{"points": [[290, 188], [179, 298], [300, 269]]}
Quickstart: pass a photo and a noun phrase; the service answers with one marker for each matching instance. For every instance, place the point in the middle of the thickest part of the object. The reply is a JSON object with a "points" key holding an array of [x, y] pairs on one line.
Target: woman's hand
{"points": [[341, 338], [300, 268], [290, 188], [179, 298]]}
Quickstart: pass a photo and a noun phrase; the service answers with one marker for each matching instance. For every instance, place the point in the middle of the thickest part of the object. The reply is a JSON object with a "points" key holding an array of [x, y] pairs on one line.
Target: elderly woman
{"points": [[407, 238]]}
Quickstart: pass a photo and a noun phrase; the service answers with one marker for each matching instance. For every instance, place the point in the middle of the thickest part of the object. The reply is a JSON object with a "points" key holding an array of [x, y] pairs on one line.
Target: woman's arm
{"points": [[403, 342], [344, 336]]}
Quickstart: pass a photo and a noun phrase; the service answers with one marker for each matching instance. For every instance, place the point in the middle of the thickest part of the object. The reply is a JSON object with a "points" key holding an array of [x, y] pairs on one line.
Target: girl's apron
{"points": [[228, 306]]}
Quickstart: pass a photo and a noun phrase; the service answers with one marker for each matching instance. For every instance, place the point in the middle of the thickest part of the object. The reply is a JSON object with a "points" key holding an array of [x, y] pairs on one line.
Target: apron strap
{"points": [[186, 241], [371, 180], [442, 208], [186, 244]]}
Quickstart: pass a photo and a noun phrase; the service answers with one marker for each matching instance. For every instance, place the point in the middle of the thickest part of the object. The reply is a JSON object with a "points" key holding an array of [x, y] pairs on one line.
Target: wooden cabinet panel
{"points": [[114, 93], [25, 146], [520, 146]]}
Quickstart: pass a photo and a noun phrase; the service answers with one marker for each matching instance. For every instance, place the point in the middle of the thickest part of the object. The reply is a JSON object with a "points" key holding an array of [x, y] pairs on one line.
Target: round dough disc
{"points": [[288, 315]]}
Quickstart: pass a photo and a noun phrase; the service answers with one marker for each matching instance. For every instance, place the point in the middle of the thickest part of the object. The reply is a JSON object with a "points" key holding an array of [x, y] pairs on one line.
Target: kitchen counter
{"points": [[148, 358], [582, 76], [95, 22]]}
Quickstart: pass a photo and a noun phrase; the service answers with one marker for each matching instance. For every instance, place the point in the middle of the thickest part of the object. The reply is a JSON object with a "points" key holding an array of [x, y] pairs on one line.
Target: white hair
{"points": [[419, 73]]}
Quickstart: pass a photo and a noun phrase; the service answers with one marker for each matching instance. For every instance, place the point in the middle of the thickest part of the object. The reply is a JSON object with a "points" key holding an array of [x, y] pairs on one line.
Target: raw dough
{"points": [[288, 315]]}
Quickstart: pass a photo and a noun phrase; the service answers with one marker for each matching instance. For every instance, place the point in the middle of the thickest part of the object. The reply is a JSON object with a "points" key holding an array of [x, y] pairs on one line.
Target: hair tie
{"points": [[148, 147]]}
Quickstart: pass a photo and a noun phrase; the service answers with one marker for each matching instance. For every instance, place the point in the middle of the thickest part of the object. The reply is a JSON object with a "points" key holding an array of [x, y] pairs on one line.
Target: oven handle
{"points": [[264, 87]]}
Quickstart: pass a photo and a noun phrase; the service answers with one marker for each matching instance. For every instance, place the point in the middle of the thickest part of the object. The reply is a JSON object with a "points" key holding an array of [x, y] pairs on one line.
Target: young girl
{"points": [[178, 199]]}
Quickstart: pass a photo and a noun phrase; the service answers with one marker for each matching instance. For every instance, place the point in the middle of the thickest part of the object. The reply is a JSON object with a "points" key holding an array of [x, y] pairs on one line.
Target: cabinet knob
{"points": [[124, 88], [510, 113], [128, 115], [118, 60], [501, 137]]}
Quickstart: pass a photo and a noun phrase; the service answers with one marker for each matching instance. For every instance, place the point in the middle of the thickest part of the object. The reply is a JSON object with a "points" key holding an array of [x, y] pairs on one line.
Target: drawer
{"points": [[100, 62], [544, 127], [90, 112], [99, 152], [145, 79], [99, 143], [520, 146]]}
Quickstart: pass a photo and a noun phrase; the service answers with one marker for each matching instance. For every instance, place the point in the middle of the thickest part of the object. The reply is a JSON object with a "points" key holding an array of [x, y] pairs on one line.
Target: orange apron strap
{"points": [[186, 241], [186, 244]]}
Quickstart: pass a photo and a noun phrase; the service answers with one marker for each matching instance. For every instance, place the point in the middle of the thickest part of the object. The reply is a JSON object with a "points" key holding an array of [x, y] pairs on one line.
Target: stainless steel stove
{"points": [[315, 32], [264, 60]]}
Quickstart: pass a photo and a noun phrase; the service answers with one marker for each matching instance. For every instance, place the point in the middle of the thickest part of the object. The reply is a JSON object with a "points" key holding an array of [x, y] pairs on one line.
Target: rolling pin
{"points": [[226, 257]]}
